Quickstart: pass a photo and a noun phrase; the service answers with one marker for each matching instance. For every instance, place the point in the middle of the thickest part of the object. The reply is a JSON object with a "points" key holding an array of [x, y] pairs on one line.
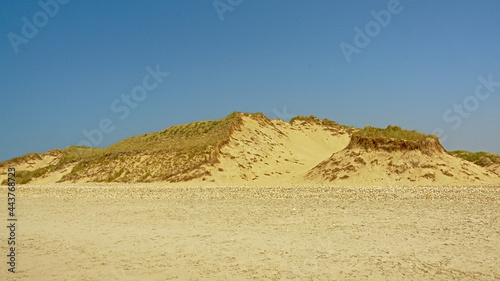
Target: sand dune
{"points": [[31, 161], [251, 149], [372, 161]]}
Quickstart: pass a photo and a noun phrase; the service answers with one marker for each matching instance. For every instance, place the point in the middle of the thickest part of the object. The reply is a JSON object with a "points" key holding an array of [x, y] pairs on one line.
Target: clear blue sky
{"points": [[262, 57]]}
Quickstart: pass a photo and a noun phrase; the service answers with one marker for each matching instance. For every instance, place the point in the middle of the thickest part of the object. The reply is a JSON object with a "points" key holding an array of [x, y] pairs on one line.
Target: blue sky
{"points": [[420, 69]]}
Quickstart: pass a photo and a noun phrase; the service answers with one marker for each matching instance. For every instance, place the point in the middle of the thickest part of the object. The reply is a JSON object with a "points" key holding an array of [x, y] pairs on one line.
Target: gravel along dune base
{"points": [[152, 232]]}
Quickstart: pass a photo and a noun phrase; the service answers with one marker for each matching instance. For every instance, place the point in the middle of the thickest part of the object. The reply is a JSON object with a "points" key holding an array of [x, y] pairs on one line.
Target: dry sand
{"points": [[355, 166], [494, 168], [266, 152], [263, 154], [151, 232]]}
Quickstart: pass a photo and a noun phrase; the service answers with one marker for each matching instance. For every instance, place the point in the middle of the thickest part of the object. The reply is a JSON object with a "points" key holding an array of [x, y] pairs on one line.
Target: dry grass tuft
{"points": [[393, 132]]}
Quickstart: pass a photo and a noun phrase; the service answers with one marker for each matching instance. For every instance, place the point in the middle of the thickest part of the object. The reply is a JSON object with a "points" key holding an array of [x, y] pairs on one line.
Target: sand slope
{"points": [[398, 162], [494, 168], [32, 161], [270, 152]]}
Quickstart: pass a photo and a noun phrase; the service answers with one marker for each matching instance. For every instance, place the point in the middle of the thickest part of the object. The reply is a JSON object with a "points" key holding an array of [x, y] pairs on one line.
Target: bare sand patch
{"points": [[266, 152], [494, 168]]}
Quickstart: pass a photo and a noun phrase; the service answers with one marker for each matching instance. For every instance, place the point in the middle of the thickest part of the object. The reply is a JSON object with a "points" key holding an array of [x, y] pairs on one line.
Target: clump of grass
{"points": [[310, 119], [348, 127], [394, 132], [301, 118], [480, 158], [115, 175], [314, 120], [23, 177], [76, 153]]}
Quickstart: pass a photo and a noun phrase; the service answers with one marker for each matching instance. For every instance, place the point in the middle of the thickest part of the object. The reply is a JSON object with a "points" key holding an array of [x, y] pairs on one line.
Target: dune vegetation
{"points": [[481, 158], [187, 146], [394, 132], [65, 156], [192, 138]]}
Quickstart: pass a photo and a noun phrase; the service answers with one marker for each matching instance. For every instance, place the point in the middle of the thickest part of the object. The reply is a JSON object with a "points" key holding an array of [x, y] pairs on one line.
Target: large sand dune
{"points": [[251, 149]]}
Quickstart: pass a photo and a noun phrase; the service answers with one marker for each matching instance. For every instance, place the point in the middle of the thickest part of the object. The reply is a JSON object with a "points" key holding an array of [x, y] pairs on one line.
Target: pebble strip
{"points": [[162, 191]]}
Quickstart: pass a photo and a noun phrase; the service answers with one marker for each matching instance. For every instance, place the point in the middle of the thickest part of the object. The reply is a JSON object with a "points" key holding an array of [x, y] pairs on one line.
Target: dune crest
{"points": [[427, 146]]}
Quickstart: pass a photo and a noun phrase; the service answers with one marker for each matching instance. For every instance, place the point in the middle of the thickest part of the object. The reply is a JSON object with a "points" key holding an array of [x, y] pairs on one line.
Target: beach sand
{"points": [[150, 232]]}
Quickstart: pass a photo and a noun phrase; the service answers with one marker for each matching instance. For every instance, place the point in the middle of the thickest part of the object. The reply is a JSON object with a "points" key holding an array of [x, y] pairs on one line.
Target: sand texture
{"points": [[269, 152], [495, 168], [151, 232]]}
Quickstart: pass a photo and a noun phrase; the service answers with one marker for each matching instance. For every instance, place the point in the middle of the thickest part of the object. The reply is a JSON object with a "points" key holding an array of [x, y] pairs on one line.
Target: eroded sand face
{"points": [[109, 233], [260, 154]]}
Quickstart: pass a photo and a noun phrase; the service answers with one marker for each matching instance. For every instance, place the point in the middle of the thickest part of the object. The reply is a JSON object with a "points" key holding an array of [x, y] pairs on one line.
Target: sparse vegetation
{"points": [[24, 158], [394, 138], [395, 132], [177, 149], [23, 177], [193, 138], [314, 120], [115, 175], [296, 118], [326, 123], [481, 158], [66, 156]]}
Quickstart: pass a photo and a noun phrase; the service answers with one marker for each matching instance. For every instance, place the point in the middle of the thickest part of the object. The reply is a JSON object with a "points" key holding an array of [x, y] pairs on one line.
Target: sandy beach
{"points": [[146, 232]]}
